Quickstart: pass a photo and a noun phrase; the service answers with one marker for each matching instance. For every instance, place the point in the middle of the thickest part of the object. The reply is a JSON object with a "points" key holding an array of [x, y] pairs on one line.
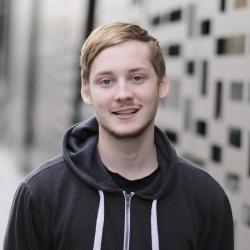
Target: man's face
{"points": [[124, 90]]}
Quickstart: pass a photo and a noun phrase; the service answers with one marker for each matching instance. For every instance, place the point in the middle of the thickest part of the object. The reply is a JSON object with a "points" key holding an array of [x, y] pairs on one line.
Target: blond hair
{"points": [[108, 35]]}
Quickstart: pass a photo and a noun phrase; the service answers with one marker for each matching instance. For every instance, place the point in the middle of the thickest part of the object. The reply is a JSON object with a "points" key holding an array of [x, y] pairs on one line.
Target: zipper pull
{"points": [[128, 196]]}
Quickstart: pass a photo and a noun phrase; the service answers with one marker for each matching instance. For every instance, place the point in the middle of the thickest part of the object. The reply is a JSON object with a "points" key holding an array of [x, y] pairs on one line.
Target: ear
{"points": [[164, 86], [85, 92]]}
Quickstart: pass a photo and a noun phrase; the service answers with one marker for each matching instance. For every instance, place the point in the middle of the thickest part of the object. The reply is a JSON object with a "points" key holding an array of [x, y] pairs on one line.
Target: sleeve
{"points": [[221, 235], [22, 230]]}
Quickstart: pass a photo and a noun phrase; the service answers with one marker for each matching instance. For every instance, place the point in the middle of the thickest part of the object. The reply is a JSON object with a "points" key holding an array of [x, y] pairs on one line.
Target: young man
{"points": [[119, 183]]}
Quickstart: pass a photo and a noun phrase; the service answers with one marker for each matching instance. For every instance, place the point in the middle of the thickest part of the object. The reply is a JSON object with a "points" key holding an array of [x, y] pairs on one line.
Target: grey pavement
{"points": [[10, 177]]}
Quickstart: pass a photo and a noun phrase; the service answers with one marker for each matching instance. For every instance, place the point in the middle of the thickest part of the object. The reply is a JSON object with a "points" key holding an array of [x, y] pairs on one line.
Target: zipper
{"points": [[126, 241]]}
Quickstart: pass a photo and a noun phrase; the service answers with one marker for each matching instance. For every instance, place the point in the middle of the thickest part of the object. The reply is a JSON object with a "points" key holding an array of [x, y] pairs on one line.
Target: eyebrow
{"points": [[138, 69], [104, 73]]}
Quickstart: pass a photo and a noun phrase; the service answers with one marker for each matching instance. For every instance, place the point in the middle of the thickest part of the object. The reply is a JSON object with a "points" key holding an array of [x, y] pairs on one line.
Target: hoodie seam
{"points": [[39, 213], [187, 164], [34, 175]]}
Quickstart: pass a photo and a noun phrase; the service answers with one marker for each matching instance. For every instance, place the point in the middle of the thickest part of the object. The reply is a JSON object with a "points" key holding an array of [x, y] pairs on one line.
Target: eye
{"points": [[138, 78], [105, 82]]}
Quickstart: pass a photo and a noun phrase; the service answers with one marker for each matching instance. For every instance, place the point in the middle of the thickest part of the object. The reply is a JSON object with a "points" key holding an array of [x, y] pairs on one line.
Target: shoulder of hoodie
{"points": [[201, 190], [48, 172], [197, 180]]}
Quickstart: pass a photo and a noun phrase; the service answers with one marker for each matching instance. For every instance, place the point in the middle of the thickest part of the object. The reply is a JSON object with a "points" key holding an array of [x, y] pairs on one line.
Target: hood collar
{"points": [[82, 157]]}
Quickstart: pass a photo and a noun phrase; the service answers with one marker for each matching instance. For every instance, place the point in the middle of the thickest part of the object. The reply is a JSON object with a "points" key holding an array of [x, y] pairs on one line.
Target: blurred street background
{"points": [[206, 115], [10, 177]]}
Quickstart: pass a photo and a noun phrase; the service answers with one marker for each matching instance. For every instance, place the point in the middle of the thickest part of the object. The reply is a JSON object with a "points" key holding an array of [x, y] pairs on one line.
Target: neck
{"points": [[133, 158]]}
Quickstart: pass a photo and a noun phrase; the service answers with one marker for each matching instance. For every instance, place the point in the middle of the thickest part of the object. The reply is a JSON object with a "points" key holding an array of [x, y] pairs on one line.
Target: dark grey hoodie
{"points": [[72, 203]]}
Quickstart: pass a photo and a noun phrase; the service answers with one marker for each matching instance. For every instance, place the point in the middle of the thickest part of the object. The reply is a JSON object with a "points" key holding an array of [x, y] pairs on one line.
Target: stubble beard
{"points": [[132, 134]]}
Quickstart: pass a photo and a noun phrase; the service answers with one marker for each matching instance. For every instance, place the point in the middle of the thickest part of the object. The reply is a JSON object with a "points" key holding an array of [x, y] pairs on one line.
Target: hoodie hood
{"points": [[82, 157]]}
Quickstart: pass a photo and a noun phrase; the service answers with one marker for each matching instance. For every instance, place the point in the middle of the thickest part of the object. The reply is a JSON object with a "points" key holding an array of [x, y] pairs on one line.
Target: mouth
{"points": [[124, 112]]}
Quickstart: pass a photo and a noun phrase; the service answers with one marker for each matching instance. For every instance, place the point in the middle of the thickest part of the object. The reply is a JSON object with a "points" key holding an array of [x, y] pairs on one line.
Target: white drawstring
{"points": [[99, 223], [154, 226]]}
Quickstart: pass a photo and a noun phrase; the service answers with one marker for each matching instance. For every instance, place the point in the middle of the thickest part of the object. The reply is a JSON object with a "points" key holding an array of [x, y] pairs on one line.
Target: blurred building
{"points": [[206, 115], [40, 78]]}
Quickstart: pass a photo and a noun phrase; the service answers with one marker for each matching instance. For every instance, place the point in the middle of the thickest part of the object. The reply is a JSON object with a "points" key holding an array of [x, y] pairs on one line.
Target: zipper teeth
{"points": [[127, 219]]}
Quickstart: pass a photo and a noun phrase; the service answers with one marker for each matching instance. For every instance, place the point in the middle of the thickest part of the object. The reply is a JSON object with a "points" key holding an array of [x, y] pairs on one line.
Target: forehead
{"points": [[127, 55]]}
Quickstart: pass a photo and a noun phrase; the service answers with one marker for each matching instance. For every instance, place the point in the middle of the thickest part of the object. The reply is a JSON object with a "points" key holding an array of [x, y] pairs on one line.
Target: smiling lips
{"points": [[126, 111]]}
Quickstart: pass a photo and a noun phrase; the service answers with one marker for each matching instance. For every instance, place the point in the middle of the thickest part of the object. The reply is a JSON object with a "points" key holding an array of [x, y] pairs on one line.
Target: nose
{"points": [[124, 91]]}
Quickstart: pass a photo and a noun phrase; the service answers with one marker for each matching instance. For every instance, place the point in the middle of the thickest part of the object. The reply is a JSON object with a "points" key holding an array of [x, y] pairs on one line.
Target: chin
{"points": [[127, 133]]}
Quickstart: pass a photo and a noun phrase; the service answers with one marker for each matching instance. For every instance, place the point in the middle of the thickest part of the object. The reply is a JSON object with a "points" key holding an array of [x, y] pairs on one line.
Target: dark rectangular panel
{"points": [[218, 100]]}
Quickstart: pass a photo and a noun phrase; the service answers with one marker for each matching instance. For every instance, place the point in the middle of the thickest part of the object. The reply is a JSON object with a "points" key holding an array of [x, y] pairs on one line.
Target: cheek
{"points": [[100, 100], [150, 95]]}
